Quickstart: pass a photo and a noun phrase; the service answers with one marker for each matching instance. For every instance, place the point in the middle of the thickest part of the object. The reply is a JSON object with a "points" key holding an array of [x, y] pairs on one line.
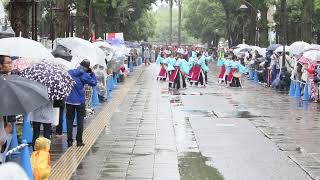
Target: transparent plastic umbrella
{"points": [[80, 49], [297, 48], [22, 47], [313, 56], [280, 49]]}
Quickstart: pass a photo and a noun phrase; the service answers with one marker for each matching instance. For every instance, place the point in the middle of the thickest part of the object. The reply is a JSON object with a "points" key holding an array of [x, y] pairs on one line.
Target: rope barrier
{"points": [[18, 148]]}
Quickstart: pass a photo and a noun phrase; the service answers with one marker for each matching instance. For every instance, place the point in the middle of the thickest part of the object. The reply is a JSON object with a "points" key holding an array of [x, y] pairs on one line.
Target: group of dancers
{"points": [[231, 70], [182, 65], [179, 66]]}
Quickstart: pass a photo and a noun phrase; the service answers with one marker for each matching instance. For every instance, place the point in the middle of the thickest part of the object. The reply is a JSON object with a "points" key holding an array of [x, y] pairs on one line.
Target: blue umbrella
{"points": [[273, 47], [115, 42]]}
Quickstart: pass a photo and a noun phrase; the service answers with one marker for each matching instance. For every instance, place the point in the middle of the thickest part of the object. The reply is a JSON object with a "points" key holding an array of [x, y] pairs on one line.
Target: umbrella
{"points": [[304, 60], [312, 47], [62, 52], [280, 49], [297, 48], [22, 63], [106, 48], [101, 58], [80, 49], [115, 41], [273, 47], [65, 65], [57, 81], [241, 46], [102, 45], [246, 49], [22, 47], [20, 95], [313, 56], [261, 51]]}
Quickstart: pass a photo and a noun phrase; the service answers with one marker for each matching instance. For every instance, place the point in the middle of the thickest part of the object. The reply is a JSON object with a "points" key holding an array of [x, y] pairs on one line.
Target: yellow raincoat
{"points": [[40, 159]]}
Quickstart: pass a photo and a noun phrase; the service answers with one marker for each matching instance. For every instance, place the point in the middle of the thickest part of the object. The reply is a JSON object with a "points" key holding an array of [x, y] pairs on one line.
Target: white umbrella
{"points": [[313, 56], [80, 49], [280, 49], [59, 61], [106, 48], [101, 58], [102, 45], [297, 48], [312, 47], [22, 47], [242, 46], [261, 51]]}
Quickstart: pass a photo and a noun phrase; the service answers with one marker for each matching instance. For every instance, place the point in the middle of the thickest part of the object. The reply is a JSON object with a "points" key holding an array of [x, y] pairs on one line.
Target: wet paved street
{"points": [[208, 133]]}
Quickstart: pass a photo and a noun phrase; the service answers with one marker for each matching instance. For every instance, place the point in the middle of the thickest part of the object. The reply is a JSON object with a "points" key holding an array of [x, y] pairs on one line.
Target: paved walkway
{"points": [[65, 163], [198, 133]]}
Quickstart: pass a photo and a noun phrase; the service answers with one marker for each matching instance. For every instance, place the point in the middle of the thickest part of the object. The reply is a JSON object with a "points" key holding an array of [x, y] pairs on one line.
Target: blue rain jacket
{"points": [[77, 95]]}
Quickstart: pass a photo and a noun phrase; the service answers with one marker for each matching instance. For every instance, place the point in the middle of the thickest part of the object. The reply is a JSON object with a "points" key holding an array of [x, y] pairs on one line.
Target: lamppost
{"points": [[244, 7]]}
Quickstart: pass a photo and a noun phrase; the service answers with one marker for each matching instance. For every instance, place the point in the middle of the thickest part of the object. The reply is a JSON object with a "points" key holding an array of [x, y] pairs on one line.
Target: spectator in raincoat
{"points": [[147, 56], [41, 160]]}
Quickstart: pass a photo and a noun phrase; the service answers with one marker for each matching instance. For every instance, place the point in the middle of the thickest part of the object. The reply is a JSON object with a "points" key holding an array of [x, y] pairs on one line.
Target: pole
{"points": [[179, 28], [170, 23], [89, 18], [257, 31], [33, 20], [284, 30], [51, 25], [215, 39]]}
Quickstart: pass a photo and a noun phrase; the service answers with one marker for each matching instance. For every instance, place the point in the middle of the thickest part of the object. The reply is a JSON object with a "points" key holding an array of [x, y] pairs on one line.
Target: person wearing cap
{"points": [[75, 102]]}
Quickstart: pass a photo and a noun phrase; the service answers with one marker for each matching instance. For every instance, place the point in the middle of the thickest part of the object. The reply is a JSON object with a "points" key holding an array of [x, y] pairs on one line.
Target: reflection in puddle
{"points": [[193, 166], [247, 114], [204, 113]]}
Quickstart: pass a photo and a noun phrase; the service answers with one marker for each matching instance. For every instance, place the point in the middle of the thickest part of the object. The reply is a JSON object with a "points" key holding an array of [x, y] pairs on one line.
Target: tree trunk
{"points": [[307, 20], [61, 19], [263, 28], [179, 28], [170, 22], [19, 13], [80, 18]]}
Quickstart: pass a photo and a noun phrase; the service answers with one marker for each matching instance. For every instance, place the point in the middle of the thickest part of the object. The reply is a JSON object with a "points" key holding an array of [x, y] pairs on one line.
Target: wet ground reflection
{"points": [[193, 166]]}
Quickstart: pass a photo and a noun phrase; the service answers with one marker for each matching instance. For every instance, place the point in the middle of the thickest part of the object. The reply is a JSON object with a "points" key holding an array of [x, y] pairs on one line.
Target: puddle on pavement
{"points": [[247, 114], [204, 113], [193, 166]]}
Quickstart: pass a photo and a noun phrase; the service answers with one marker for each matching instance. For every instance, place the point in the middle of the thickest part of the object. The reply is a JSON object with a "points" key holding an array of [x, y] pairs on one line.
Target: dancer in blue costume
{"points": [[181, 69], [171, 70], [204, 65], [162, 62], [236, 71]]}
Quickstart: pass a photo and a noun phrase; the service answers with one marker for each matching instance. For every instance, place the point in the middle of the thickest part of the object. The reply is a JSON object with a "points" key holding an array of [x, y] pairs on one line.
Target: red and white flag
{"points": [[110, 36]]}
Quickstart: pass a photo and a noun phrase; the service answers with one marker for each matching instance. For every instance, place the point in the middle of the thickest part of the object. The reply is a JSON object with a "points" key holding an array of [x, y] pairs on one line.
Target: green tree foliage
{"points": [[162, 27], [202, 17]]}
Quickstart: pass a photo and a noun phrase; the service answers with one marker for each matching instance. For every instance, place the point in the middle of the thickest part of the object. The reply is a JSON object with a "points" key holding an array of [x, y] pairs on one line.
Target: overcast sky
{"points": [[159, 3]]}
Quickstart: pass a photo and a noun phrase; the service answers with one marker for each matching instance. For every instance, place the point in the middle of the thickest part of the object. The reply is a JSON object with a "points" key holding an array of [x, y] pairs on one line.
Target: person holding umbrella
{"points": [[75, 102]]}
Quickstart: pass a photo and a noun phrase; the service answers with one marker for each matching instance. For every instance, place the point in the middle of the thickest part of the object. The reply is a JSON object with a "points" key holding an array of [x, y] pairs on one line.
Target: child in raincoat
{"points": [[40, 159]]}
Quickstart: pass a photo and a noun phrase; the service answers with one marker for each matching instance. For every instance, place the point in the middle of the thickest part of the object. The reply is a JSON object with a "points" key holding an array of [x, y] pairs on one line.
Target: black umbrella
{"points": [[273, 47], [20, 95]]}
